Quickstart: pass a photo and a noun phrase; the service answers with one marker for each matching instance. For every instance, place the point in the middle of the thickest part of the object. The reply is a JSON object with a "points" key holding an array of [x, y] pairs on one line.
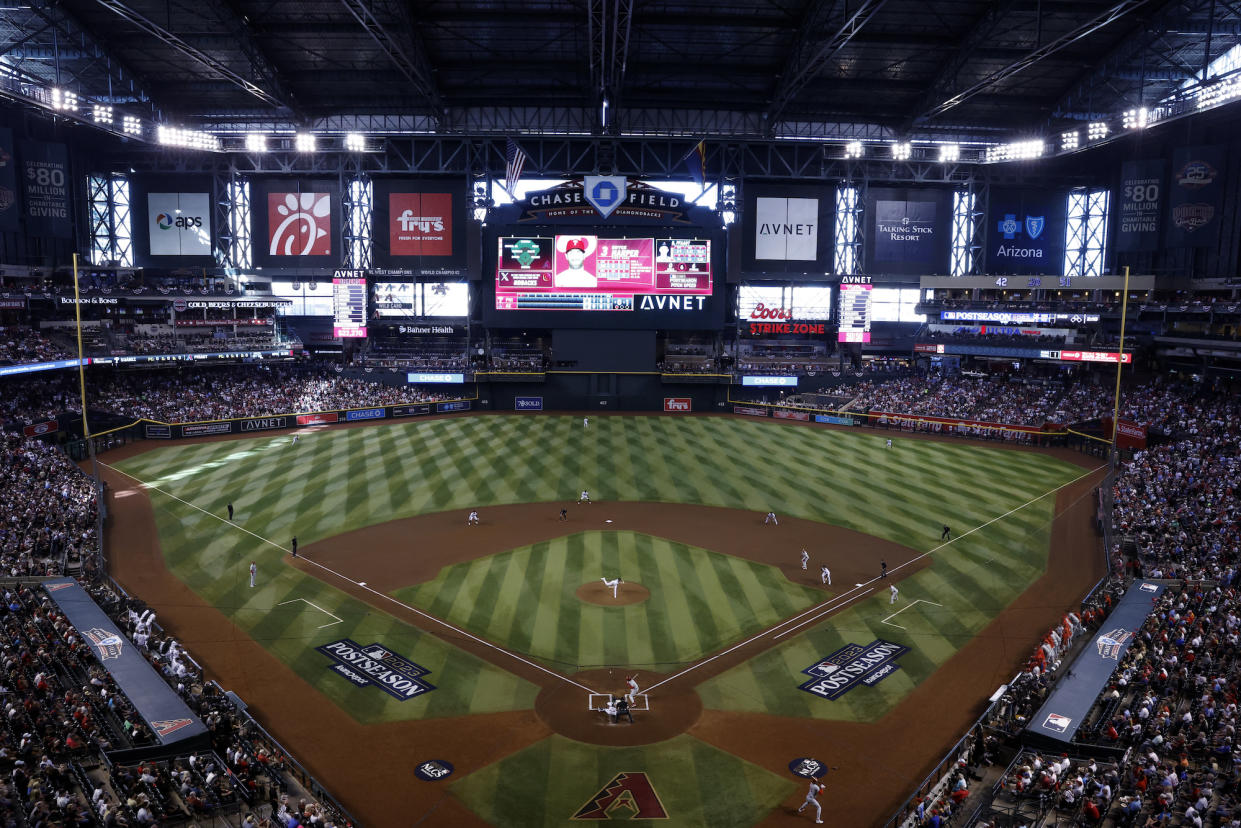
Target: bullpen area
{"points": [[431, 669]]}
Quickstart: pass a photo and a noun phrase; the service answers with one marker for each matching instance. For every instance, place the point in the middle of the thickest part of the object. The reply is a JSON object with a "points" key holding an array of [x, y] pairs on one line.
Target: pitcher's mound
{"points": [[628, 593]]}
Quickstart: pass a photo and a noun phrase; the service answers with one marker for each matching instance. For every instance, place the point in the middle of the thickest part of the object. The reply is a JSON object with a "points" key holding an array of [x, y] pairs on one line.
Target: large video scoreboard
{"points": [[575, 272]]}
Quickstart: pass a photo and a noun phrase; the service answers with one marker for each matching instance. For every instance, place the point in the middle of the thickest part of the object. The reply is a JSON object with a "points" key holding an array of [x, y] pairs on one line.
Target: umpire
{"points": [[622, 709]]}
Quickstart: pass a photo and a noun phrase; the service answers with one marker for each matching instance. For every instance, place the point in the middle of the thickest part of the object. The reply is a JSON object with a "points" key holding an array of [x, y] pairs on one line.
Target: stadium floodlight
{"points": [[102, 114], [949, 153], [256, 142], [854, 149], [355, 142], [1096, 131], [1136, 118], [1016, 151], [1217, 93], [186, 138], [131, 125], [901, 150], [304, 142], [1069, 140], [64, 100]]}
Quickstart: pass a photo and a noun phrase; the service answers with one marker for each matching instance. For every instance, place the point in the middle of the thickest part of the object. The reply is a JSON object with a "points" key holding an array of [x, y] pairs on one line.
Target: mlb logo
{"points": [[1057, 722], [377, 653], [824, 668], [1149, 588]]}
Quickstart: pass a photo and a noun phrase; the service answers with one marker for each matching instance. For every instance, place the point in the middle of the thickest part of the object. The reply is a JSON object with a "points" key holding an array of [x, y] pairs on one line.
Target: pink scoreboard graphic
{"points": [[582, 272]]}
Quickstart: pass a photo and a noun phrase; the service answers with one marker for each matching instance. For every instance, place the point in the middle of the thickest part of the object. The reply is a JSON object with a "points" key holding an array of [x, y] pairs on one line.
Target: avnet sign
{"points": [[262, 423]]}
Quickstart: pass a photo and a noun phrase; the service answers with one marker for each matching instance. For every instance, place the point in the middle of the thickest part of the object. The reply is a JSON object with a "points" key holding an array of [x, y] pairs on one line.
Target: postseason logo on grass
{"points": [[851, 665], [376, 666]]}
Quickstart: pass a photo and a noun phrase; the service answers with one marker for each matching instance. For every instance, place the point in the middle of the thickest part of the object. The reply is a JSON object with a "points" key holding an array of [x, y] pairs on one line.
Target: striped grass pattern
{"points": [[525, 600], [700, 786]]}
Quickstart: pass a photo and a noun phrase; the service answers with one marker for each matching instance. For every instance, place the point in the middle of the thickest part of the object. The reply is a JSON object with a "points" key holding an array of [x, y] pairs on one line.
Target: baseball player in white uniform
{"points": [[254, 571], [585, 422], [473, 519], [632, 681], [895, 592], [825, 575], [614, 583], [805, 558], [771, 518], [811, 795], [585, 498]]}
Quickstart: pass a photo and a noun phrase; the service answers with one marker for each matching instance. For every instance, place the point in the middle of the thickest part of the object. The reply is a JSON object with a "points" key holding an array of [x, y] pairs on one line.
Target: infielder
{"points": [[771, 518], [815, 787], [895, 592], [585, 498], [825, 575], [632, 681], [254, 571], [473, 519], [614, 583], [805, 558]]}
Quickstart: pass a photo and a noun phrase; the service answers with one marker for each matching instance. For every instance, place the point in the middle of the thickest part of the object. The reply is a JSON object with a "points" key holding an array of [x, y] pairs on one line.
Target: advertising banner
{"points": [[420, 228], [784, 414], [787, 228], [1139, 205], [678, 404], [910, 231], [8, 182], [203, 429], [410, 410], [295, 223], [321, 418], [937, 424], [365, 414], [45, 189], [528, 404], [157, 432], [831, 419], [1025, 232], [261, 423], [1197, 196], [457, 405], [179, 224], [750, 410], [1129, 434], [39, 429]]}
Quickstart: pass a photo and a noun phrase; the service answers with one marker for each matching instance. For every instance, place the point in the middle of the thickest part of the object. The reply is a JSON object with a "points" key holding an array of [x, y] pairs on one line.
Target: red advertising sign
{"points": [[808, 328], [1093, 356], [318, 419], [678, 404], [420, 224], [299, 224], [781, 414], [1128, 433], [751, 410], [36, 429], [947, 423]]}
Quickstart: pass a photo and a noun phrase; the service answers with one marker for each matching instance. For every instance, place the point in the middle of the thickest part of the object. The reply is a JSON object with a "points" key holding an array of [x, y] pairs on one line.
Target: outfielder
{"points": [[895, 592], [585, 422], [254, 571], [614, 583], [815, 787], [805, 558]]}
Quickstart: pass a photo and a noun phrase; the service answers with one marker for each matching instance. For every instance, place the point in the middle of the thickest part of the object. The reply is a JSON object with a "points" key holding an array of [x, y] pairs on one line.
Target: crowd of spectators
{"points": [[198, 341], [21, 344], [48, 509], [970, 337]]}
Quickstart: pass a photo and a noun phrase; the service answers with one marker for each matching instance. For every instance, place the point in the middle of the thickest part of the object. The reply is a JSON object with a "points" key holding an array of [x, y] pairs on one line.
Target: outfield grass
{"points": [[524, 600], [339, 480], [545, 785]]}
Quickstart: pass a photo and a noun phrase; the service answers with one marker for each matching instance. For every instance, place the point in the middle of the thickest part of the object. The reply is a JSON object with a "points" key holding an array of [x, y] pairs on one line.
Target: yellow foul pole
{"points": [[1120, 356]]}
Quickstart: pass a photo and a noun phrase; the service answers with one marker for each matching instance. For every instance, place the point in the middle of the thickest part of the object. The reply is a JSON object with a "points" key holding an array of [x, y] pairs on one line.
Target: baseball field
{"points": [[401, 635]]}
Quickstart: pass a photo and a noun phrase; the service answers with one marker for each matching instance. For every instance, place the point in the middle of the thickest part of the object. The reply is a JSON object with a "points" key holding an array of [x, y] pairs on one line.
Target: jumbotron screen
{"points": [[592, 273]]}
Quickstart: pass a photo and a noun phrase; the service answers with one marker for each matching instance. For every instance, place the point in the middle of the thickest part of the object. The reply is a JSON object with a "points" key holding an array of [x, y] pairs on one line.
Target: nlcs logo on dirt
{"points": [[851, 665], [373, 665]]}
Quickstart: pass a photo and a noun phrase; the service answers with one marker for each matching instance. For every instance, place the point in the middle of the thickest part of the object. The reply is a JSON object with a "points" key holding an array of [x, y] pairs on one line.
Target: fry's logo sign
{"points": [[678, 404], [421, 224]]}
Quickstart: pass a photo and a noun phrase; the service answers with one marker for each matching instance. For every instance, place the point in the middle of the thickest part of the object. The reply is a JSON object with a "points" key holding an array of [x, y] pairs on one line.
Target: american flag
{"points": [[515, 159]]}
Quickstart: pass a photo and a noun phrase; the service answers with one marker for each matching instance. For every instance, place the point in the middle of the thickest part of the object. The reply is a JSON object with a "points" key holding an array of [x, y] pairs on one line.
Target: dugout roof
{"points": [[690, 68]]}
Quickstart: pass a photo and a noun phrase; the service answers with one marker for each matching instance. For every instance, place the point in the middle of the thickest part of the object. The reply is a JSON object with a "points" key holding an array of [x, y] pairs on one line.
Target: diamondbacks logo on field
{"points": [[851, 665], [376, 666], [165, 726], [627, 796], [1112, 642], [107, 644]]}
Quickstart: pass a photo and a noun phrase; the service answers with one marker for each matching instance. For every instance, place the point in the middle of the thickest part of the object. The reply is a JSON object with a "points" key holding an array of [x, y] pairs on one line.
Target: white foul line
{"points": [[316, 606], [356, 583], [827, 607], [902, 609]]}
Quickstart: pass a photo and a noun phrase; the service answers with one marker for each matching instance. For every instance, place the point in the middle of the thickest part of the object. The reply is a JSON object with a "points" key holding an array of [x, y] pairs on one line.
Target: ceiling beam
{"points": [[263, 88], [406, 52], [812, 50], [608, 25], [949, 92]]}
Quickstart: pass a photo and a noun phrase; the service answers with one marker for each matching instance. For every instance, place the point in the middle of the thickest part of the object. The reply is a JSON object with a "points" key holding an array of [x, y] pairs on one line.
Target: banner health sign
{"points": [[910, 234], [1197, 196], [1141, 190], [1025, 232], [851, 665], [376, 666]]}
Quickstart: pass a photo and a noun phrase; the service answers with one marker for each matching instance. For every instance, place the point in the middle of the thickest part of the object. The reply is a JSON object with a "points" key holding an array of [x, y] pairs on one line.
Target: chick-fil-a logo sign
{"points": [[300, 224]]}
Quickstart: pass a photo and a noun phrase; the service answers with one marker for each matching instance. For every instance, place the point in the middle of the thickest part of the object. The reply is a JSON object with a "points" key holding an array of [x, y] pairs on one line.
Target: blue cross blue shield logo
{"points": [[604, 192], [1009, 226], [1035, 225]]}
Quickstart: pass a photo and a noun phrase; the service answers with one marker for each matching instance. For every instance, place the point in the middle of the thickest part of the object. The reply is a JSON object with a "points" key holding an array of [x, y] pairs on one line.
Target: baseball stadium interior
{"points": [[1004, 226]]}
